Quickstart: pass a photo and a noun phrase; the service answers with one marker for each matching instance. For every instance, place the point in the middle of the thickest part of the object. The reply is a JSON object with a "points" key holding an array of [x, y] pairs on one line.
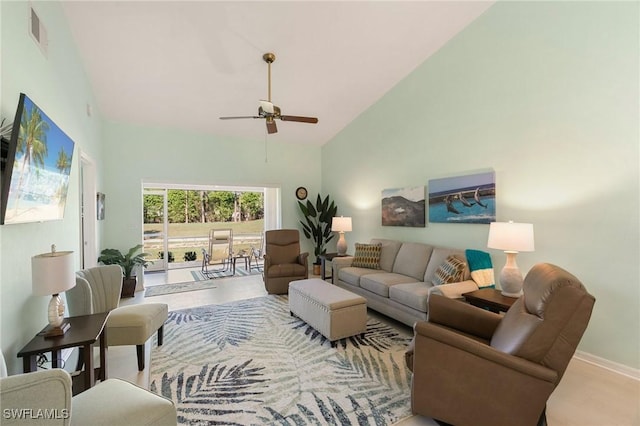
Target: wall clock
{"points": [[301, 193]]}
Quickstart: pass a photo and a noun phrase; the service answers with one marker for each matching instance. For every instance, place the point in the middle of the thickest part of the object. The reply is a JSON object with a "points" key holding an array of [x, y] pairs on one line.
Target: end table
{"points": [[323, 259], [490, 298], [85, 330]]}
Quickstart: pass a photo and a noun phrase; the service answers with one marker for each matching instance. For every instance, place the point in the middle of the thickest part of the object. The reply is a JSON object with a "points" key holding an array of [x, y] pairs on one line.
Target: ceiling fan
{"points": [[268, 110]]}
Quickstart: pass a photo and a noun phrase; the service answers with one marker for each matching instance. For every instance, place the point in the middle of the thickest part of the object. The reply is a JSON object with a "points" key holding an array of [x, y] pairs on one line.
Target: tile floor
{"points": [[588, 395]]}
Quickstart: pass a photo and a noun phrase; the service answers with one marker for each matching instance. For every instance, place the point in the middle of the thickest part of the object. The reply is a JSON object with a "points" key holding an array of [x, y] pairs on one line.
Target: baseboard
{"points": [[609, 365]]}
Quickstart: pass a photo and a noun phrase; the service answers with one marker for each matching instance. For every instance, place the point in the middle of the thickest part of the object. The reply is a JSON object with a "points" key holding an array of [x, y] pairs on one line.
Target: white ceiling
{"points": [[183, 64]]}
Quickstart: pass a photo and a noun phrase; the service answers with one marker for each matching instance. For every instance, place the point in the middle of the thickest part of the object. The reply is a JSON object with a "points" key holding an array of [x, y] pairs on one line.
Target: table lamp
{"points": [[511, 238], [341, 225], [51, 274]]}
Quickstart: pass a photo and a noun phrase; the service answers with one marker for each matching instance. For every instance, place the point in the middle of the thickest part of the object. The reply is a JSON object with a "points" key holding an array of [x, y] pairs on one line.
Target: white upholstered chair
{"points": [[113, 402], [98, 290]]}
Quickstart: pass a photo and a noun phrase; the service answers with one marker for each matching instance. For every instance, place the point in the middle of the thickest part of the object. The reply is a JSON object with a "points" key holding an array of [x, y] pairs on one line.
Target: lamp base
{"points": [[52, 332], [342, 245], [511, 277]]}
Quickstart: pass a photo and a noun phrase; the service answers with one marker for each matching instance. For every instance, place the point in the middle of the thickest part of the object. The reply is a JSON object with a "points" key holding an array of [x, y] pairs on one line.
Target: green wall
{"points": [[134, 154], [58, 85], [546, 95]]}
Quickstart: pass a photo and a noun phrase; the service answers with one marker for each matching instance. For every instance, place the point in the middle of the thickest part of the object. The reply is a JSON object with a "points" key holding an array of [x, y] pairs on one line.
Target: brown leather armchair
{"points": [[283, 261], [474, 367]]}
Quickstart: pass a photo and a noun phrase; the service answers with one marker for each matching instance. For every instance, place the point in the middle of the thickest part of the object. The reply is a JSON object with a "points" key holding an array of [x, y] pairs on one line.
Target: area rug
{"points": [[250, 362], [159, 290]]}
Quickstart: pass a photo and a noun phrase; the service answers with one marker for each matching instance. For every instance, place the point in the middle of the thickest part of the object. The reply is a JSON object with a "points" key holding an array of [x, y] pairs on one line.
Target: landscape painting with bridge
{"points": [[463, 199]]}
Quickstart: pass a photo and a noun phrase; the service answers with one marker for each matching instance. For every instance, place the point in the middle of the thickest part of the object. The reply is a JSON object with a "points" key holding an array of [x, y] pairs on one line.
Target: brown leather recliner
{"points": [[283, 261], [473, 367]]}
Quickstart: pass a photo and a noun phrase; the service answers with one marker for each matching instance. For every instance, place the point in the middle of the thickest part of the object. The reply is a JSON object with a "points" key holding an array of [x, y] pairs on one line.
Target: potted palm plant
{"points": [[133, 258], [317, 225]]}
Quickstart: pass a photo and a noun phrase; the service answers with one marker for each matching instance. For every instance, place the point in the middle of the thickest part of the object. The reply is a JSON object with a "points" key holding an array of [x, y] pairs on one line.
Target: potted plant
{"points": [[128, 262], [317, 225]]}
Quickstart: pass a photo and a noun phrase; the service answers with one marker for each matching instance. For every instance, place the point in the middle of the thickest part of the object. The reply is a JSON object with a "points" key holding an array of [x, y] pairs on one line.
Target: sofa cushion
{"points": [[413, 295], [351, 275], [449, 271], [412, 260], [438, 256], [367, 256], [388, 253], [379, 283]]}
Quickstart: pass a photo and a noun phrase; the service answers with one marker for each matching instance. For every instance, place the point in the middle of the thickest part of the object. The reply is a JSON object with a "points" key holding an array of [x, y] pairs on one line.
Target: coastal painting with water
{"points": [[404, 207], [463, 199], [38, 178]]}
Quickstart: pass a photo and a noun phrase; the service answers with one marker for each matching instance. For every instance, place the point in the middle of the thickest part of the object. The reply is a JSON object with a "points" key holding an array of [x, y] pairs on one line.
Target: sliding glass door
{"points": [[177, 220], [155, 227]]}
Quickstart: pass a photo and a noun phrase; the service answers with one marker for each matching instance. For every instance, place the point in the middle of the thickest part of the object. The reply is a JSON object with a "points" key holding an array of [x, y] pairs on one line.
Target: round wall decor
{"points": [[301, 193]]}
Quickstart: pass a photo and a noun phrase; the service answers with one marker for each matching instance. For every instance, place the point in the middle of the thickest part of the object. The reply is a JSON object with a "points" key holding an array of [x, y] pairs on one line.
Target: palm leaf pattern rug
{"points": [[250, 363]]}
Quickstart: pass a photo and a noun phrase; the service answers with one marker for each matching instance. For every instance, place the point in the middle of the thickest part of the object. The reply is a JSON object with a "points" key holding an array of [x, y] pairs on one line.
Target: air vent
{"points": [[38, 31]]}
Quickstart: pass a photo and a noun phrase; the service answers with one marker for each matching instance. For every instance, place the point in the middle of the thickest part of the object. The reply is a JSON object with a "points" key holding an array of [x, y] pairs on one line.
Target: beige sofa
{"points": [[401, 287]]}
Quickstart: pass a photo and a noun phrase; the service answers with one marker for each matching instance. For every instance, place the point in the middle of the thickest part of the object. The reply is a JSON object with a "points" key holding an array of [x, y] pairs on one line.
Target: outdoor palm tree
{"points": [[32, 142]]}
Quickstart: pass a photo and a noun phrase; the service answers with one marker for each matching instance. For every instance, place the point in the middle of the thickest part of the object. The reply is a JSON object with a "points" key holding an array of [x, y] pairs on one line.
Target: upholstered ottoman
{"points": [[335, 312], [134, 324]]}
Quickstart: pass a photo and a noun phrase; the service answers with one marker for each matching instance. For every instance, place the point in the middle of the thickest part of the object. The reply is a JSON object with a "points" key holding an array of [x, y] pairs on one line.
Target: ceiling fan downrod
{"points": [[269, 58]]}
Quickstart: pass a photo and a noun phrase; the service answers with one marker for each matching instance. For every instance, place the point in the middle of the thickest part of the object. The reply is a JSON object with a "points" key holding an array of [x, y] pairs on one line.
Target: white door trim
{"points": [[88, 218]]}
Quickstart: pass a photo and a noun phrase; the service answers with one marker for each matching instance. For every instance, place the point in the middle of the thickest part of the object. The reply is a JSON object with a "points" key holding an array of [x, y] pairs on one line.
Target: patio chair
{"points": [[256, 255], [220, 252]]}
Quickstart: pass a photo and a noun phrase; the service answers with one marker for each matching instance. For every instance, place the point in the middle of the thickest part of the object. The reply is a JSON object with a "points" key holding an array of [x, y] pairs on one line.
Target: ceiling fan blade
{"points": [[271, 126], [243, 116], [299, 119]]}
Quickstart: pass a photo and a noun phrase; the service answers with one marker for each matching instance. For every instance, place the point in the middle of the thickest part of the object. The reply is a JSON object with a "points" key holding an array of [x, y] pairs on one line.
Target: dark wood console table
{"points": [[84, 332]]}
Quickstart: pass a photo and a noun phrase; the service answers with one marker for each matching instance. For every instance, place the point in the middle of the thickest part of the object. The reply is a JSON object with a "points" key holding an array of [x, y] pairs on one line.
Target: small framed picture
{"points": [[100, 205]]}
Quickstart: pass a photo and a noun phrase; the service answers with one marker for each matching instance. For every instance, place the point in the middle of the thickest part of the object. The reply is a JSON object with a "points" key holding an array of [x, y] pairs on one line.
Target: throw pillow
{"points": [[450, 271], [481, 268], [367, 256]]}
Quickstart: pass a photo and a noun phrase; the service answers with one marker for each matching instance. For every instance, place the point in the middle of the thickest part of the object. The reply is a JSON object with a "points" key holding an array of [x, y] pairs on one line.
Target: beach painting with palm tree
{"points": [[39, 177]]}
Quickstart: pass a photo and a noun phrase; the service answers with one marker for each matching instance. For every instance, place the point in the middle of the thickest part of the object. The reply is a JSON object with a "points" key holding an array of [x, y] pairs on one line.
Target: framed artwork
{"points": [[100, 205], [404, 207], [463, 199]]}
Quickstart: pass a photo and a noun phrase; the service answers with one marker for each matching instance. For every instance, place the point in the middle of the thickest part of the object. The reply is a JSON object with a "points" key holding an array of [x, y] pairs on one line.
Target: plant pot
{"points": [[128, 287], [316, 269]]}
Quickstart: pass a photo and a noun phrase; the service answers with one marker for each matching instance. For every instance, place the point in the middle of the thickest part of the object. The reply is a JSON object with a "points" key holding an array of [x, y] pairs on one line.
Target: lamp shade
{"points": [[52, 273], [510, 236], [341, 224]]}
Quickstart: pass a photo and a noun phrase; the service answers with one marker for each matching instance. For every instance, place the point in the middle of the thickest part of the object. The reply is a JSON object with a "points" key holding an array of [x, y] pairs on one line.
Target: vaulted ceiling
{"points": [[183, 64]]}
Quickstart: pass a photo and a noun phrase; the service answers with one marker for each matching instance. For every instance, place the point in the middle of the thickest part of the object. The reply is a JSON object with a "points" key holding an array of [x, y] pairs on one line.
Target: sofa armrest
{"points": [[498, 359], [338, 263], [303, 259], [463, 317], [40, 390], [454, 290]]}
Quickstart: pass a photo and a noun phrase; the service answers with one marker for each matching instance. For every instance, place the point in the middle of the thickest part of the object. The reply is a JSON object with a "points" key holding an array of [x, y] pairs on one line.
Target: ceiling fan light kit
{"points": [[267, 110]]}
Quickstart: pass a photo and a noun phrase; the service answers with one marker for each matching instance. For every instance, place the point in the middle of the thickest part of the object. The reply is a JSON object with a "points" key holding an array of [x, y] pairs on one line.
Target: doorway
{"points": [[177, 220]]}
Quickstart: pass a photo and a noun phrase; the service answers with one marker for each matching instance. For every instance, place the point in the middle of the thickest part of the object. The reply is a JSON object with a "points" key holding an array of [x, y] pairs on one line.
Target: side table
{"points": [[323, 259], [490, 298], [85, 330]]}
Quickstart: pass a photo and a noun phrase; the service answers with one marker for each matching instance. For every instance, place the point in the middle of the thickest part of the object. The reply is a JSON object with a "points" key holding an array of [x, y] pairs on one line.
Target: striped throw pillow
{"points": [[367, 256], [450, 271]]}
